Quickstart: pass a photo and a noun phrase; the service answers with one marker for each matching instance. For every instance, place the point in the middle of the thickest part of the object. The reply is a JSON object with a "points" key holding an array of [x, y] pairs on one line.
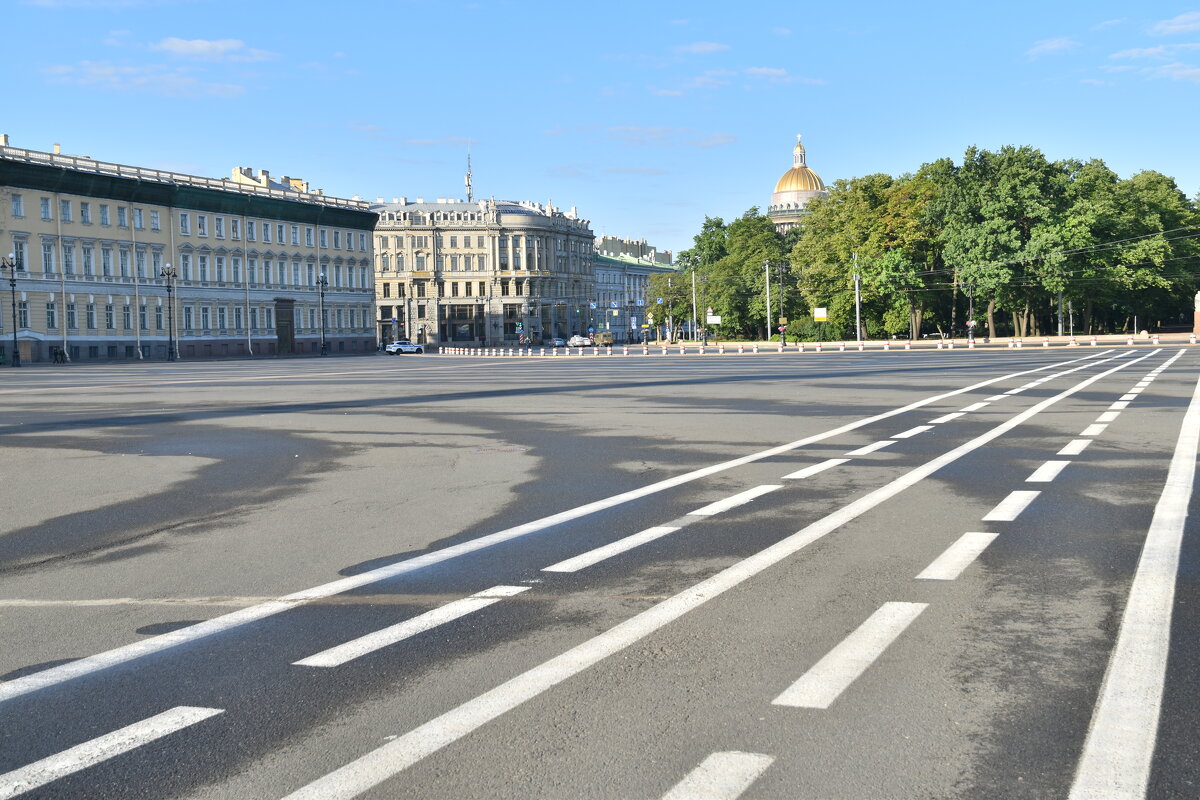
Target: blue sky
{"points": [[646, 115]]}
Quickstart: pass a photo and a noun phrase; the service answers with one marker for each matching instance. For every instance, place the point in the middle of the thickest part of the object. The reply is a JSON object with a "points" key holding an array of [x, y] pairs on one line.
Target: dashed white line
{"points": [[1047, 472], [1011, 507], [356, 648], [1075, 447], [1120, 743], [88, 754], [946, 418], [1108, 416], [1125, 398], [1093, 430], [957, 557], [871, 448], [721, 776], [1134, 392], [975, 406], [808, 472], [994, 398], [609, 550], [1119, 405], [733, 502], [842, 665], [908, 434]]}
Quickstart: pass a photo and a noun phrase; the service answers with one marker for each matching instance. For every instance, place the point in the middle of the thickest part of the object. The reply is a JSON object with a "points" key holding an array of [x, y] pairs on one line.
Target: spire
{"points": [[798, 154], [469, 196]]}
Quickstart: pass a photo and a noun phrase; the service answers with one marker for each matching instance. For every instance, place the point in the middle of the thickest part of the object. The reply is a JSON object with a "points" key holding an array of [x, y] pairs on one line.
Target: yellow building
{"points": [[92, 240], [793, 191]]}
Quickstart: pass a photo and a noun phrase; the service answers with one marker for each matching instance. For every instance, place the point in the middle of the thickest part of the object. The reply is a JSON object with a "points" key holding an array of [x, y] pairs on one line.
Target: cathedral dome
{"points": [[799, 178], [793, 191]]}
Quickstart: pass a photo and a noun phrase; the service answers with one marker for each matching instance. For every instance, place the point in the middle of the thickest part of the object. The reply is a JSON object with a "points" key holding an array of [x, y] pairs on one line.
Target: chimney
{"points": [[57, 149], [3, 140]]}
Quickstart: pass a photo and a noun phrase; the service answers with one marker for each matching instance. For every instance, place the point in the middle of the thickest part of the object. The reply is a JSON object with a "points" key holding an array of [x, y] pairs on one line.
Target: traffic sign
{"points": [[591, 305], [660, 301], [612, 304], [641, 302], [591, 329], [783, 320], [820, 314]]}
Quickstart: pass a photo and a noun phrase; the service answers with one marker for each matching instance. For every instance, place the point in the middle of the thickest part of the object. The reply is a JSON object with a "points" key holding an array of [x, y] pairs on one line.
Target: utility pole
{"points": [[767, 272], [693, 304], [1060, 329], [782, 333], [857, 303]]}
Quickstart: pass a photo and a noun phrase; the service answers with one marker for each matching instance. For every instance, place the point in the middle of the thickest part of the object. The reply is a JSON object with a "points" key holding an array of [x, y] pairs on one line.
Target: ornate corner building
{"points": [[92, 240], [793, 190]]}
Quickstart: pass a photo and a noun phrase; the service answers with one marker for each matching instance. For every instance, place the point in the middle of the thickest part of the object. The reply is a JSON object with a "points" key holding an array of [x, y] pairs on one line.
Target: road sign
{"points": [[591, 305], [612, 304], [820, 314], [641, 302], [591, 329], [633, 322], [713, 319], [616, 312], [660, 301], [783, 320]]}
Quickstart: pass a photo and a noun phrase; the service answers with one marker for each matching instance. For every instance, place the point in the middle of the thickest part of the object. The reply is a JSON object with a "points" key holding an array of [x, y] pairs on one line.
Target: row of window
{"points": [[279, 232], [103, 215], [466, 262], [441, 240], [94, 314], [508, 288]]}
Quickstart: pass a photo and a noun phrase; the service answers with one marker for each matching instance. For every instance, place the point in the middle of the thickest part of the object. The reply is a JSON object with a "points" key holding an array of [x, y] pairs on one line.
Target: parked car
{"points": [[558, 341], [579, 341], [403, 346]]}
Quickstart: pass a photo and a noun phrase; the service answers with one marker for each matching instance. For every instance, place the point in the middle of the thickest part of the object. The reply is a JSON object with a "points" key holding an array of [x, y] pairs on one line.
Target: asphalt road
{"points": [[838, 575]]}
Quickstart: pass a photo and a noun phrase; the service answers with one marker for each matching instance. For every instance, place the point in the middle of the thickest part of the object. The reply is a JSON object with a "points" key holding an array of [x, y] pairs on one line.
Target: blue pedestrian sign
{"points": [[660, 301], [613, 304], [641, 302], [591, 305]]}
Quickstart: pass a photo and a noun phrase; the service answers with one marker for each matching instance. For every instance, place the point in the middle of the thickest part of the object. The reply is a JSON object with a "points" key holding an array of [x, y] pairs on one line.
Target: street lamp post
{"points": [[13, 265], [322, 285], [170, 275]]}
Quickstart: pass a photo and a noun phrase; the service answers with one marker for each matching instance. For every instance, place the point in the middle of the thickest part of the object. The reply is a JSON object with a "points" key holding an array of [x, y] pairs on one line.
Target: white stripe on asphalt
{"points": [[808, 472], [1047, 472], [721, 776], [609, 550], [975, 406], [384, 762], [1011, 507], [842, 665], [994, 398], [908, 434], [356, 648], [1130, 395], [1074, 447], [1108, 416], [1134, 392], [1120, 405], [1120, 742], [88, 754], [957, 557], [739, 499], [1093, 430], [866, 450], [156, 644], [946, 418]]}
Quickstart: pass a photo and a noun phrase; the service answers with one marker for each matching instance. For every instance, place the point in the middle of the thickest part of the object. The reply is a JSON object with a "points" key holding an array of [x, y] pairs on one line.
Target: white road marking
{"points": [[1108, 416], [808, 472], [871, 448], [842, 665], [1120, 742], [156, 644], [1093, 430], [946, 418], [721, 776], [1047, 472], [1130, 395], [88, 754], [994, 398], [384, 762], [1075, 447], [356, 648], [1134, 392], [908, 434], [1120, 405], [957, 557], [975, 406], [733, 502], [1011, 507], [609, 550]]}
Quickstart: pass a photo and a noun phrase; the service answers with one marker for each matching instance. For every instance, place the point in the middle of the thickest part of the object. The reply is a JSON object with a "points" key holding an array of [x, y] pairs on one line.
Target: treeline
{"points": [[1008, 234]]}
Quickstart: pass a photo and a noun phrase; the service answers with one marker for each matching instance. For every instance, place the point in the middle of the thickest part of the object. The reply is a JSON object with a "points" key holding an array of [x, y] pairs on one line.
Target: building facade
{"points": [[93, 241], [793, 190], [489, 273], [623, 270]]}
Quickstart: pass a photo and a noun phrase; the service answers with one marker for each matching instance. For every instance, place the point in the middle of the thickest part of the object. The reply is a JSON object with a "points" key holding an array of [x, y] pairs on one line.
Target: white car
{"points": [[579, 341], [403, 346]]}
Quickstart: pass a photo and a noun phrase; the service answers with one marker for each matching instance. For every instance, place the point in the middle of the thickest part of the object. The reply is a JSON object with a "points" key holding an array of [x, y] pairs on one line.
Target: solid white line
{"points": [[871, 448], [356, 648], [842, 665], [1108, 416], [1010, 507], [1074, 447], [138, 649], [739, 499], [1093, 430], [808, 472], [975, 406], [912, 432], [946, 418], [382, 763], [1120, 405], [957, 557], [88, 754], [1047, 472], [721, 776], [609, 550], [1120, 743]]}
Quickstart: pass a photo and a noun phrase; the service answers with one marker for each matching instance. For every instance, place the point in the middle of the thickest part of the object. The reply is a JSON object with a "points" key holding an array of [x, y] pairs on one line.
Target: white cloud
{"points": [[1095, 82], [149, 78], [1108, 23], [211, 49], [668, 92], [1180, 24], [767, 72], [1180, 72], [701, 48], [635, 171], [1161, 51], [1047, 47], [779, 75], [117, 38]]}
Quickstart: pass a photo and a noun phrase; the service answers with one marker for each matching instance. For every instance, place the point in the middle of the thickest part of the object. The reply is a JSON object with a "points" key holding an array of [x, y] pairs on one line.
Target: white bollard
{"points": [[541, 351], [645, 350], [1074, 342], [908, 345], [1192, 339], [887, 345], [664, 350], [682, 350], [950, 344], [842, 347], [1129, 339], [1093, 341], [756, 347], [818, 347], [721, 349], [1154, 338], [608, 350], [939, 344], [970, 344], [862, 346], [701, 349], [801, 347], [624, 349], [741, 348], [1045, 341]]}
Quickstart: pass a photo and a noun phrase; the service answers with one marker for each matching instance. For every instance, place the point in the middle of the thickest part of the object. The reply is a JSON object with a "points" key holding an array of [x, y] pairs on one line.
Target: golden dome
{"points": [[800, 179]]}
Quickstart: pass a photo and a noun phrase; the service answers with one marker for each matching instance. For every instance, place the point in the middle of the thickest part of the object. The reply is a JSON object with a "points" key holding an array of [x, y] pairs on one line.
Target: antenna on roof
{"points": [[469, 195]]}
